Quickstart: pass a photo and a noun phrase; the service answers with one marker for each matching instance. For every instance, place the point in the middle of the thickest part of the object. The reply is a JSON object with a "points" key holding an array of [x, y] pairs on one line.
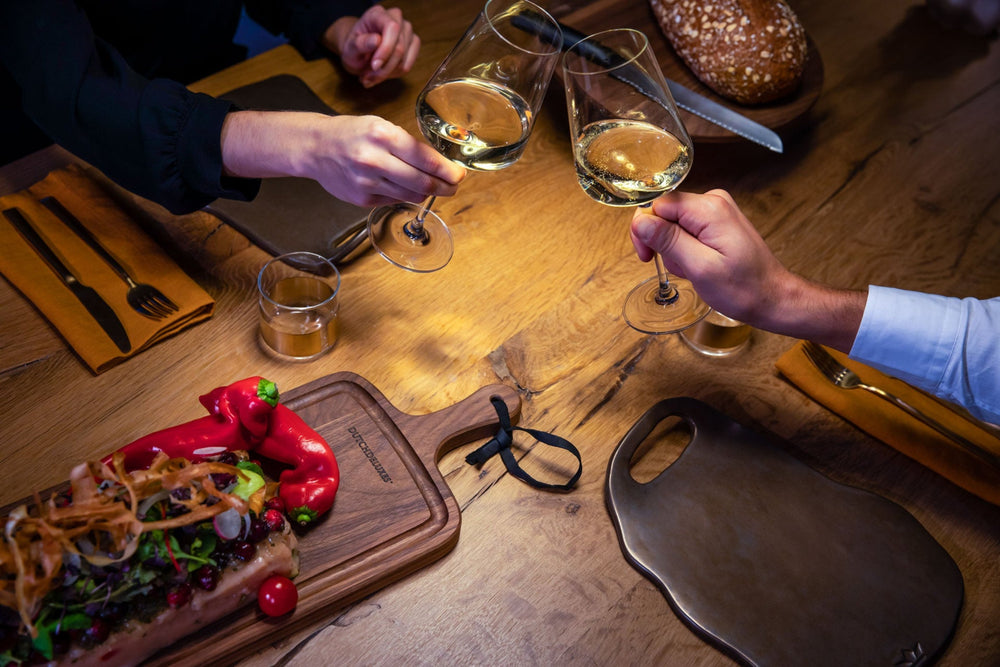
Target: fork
{"points": [[845, 378], [144, 299]]}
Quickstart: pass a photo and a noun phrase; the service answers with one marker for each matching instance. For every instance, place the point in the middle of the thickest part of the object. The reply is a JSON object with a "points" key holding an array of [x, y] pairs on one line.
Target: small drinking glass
{"points": [[298, 294], [717, 335]]}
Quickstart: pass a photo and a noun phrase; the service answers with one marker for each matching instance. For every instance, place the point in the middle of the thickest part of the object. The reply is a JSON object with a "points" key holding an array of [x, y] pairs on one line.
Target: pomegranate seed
{"points": [[275, 520], [275, 503], [244, 551], [207, 577], [179, 596]]}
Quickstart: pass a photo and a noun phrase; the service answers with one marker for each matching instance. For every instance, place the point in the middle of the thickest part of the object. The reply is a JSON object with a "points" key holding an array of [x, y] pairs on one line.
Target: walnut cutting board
{"points": [[393, 514], [774, 563]]}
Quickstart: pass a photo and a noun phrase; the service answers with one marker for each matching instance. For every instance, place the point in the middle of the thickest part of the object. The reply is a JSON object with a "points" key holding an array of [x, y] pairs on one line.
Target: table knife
{"points": [[91, 300], [686, 99]]}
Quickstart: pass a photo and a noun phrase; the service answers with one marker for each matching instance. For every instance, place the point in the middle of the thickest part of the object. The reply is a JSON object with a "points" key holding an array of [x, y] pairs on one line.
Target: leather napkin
{"points": [[124, 238], [896, 428]]}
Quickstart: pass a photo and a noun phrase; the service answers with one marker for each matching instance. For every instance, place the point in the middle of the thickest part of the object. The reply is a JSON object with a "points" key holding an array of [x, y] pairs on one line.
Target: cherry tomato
{"points": [[277, 595]]}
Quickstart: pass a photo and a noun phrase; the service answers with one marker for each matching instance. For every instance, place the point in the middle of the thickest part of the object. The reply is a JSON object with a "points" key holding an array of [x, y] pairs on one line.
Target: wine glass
{"points": [[630, 146], [477, 109]]}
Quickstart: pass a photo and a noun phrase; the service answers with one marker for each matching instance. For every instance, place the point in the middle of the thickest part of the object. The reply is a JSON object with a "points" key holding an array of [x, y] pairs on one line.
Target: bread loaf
{"points": [[749, 51]]}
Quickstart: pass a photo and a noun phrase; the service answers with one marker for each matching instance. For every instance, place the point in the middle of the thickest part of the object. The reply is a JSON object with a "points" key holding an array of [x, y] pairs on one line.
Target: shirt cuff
{"points": [[910, 335], [200, 156]]}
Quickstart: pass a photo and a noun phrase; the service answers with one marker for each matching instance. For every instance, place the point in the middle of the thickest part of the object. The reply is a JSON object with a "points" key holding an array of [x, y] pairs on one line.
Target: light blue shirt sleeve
{"points": [[947, 346]]}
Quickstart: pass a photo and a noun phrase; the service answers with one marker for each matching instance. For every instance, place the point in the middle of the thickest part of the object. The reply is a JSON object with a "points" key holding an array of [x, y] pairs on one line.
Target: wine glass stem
{"points": [[415, 228], [667, 293]]}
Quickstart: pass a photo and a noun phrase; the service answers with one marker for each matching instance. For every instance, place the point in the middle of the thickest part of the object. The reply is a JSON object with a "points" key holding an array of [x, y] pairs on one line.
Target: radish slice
{"points": [[228, 524]]}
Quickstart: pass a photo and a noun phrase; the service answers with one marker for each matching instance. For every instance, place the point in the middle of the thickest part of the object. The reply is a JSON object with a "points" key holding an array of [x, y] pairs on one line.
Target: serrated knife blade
{"points": [[687, 99], [724, 117]]}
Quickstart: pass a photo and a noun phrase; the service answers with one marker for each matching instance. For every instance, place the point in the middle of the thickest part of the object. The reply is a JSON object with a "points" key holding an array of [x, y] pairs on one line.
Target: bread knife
{"points": [[686, 99], [91, 300]]}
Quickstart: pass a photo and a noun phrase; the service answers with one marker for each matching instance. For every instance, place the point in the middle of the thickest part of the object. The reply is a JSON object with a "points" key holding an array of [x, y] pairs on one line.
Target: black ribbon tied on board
{"points": [[504, 438]]}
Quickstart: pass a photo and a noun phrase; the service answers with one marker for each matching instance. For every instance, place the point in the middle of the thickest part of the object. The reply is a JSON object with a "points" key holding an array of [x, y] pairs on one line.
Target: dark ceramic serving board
{"points": [[774, 563]]}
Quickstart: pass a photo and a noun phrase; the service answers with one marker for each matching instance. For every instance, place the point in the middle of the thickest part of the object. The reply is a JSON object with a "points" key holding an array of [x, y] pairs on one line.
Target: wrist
{"points": [[804, 309]]}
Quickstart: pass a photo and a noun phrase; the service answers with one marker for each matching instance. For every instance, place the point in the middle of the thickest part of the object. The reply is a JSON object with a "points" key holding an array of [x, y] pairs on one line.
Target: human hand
{"points": [[368, 161], [708, 240], [364, 160], [377, 46]]}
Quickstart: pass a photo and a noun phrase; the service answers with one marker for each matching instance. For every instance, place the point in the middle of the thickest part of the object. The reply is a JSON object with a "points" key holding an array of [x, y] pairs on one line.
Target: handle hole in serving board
{"points": [[660, 449]]}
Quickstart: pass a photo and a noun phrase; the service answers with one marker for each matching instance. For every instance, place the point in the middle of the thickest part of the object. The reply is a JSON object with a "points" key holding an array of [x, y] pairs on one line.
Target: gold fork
{"points": [[845, 378]]}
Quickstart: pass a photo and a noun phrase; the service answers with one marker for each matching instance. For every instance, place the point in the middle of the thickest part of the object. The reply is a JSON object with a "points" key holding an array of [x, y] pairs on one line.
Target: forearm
{"points": [[800, 308], [266, 144]]}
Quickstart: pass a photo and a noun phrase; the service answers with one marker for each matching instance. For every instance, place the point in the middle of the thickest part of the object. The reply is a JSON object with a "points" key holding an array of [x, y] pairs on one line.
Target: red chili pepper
{"points": [[239, 418], [309, 486]]}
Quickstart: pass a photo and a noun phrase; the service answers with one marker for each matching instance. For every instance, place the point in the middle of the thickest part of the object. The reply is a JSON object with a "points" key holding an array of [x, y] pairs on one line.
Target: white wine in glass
{"points": [[477, 109], [629, 147]]}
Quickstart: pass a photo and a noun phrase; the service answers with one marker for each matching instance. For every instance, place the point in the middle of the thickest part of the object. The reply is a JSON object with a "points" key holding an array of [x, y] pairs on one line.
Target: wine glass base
{"points": [[391, 236], [644, 313]]}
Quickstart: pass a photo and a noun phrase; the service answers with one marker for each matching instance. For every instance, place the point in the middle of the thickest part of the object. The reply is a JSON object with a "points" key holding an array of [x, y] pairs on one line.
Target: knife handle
{"points": [[27, 230], [569, 39], [80, 230]]}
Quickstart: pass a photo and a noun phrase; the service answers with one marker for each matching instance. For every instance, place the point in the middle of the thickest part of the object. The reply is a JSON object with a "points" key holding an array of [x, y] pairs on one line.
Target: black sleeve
{"points": [[303, 22], [153, 137]]}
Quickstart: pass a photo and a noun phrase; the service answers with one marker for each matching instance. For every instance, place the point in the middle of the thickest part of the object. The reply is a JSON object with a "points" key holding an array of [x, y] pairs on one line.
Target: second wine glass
{"points": [[478, 110], [629, 147]]}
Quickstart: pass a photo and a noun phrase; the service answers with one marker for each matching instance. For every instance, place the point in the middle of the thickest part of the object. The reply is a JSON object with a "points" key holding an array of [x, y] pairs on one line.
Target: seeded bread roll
{"points": [[749, 51]]}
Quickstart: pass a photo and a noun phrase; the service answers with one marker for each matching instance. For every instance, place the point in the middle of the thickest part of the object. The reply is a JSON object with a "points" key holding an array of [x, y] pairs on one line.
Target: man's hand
{"points": [[707, 239]]}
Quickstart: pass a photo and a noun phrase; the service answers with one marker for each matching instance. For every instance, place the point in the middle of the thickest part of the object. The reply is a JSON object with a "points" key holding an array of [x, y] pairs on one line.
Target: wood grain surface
{"points": [[889, 178]]}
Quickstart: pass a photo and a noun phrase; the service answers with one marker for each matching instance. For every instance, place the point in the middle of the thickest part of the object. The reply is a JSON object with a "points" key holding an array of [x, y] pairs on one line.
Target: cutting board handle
{"points": [[472, 418]]}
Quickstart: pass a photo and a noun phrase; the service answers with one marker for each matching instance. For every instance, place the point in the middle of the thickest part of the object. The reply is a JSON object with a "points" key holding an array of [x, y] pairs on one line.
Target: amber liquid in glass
{"points": [[300, 329]]}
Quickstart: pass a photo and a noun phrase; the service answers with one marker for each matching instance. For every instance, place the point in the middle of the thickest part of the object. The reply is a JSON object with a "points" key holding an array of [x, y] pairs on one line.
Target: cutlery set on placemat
{"points": [[92, 270], [144, 299]]}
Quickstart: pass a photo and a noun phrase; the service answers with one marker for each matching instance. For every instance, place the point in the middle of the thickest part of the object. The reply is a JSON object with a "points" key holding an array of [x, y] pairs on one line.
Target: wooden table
{"points": [[890, 179]]}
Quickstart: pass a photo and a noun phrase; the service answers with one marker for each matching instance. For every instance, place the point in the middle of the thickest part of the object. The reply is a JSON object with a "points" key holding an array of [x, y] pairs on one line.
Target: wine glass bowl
{"points": [[629, 147], [477, 109]]}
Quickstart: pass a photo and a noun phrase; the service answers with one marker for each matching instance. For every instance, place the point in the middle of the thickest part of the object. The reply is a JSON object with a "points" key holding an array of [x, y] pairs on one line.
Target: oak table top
{"points": [[890, 178]]}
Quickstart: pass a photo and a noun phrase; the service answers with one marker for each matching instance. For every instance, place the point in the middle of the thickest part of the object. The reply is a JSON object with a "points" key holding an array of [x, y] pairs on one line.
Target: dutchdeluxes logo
{"points": [[369, 454]]}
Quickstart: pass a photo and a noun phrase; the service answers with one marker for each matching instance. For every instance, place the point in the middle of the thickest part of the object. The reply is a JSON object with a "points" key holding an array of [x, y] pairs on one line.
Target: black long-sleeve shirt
{"points": [[105, 80]]}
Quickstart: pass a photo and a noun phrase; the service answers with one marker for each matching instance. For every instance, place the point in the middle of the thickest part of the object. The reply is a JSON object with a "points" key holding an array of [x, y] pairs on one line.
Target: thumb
{"points": [[366, 43], [652, 234]]}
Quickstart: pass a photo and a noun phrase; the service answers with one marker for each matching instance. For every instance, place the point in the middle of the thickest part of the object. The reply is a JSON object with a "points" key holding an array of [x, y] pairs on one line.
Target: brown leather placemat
{"points": [[289, 214]]}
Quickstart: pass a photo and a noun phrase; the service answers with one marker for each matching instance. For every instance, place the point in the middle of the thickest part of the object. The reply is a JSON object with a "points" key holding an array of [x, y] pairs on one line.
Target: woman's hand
{"points": [[364, 160], [377, 46]]}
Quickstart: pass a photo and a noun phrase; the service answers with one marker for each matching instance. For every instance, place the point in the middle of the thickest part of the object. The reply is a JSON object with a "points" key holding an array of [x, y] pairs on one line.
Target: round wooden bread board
{"points": [[607, 14]]}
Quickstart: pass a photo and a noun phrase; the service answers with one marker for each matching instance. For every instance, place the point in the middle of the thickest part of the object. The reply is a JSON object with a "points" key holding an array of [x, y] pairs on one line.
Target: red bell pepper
{"points": [[246, 416], [309, 486], [239, 419]]}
